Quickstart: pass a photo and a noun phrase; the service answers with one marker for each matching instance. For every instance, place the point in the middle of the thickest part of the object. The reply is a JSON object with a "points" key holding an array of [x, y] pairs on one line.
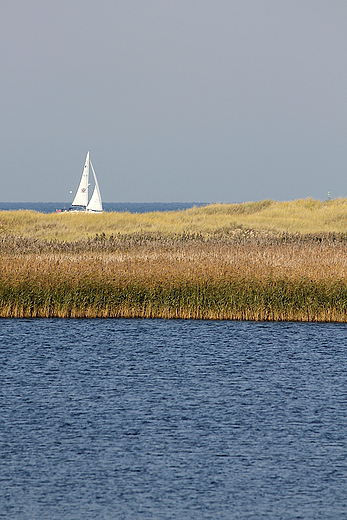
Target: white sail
{"points": [[95, 203], [81, 198]]}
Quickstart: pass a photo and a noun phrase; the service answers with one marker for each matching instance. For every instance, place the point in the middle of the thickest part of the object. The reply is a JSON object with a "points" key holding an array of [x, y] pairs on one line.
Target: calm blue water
{"points": [[132, 207], [156, 419]]}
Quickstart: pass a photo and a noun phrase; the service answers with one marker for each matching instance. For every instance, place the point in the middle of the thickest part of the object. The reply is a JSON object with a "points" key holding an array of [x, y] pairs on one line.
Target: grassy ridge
{"points": [[258, 279], [304, 216]]}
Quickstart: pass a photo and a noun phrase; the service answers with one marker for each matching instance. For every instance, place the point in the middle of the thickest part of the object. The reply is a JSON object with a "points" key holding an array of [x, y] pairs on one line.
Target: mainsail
{"points": [[81, 198]]}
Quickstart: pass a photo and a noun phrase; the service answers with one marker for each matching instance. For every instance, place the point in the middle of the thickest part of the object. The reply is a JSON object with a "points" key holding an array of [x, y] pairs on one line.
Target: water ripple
{"points": [[172, 420]]}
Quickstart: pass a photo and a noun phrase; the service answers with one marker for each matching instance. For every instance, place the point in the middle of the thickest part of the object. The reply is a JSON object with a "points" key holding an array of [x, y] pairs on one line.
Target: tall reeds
{"points": [[250, 276]]}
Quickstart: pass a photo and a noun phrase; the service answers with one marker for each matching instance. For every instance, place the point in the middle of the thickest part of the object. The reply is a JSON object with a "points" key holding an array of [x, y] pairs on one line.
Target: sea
{"points": [[132, 207], [172, 419]]}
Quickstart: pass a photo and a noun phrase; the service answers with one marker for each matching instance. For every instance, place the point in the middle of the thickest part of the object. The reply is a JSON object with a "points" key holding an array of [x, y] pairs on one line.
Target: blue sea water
{"points": [[159, 419], [132, 207]]}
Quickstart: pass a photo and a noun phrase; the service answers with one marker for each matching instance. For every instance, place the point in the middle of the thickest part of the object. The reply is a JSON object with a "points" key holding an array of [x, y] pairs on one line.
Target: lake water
{"points": [[156, 419]]}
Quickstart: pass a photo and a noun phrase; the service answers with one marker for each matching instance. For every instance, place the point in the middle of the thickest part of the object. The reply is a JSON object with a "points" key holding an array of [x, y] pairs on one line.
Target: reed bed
{"points": [[256, 261], [247, 275]]}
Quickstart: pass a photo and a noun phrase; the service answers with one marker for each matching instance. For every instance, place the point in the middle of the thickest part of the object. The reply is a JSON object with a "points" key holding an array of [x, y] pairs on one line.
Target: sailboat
{"points": [[80, 202]]}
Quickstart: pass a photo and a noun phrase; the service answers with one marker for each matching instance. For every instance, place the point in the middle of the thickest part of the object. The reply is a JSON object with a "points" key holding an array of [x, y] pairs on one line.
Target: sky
{"points": [[176, 100]]}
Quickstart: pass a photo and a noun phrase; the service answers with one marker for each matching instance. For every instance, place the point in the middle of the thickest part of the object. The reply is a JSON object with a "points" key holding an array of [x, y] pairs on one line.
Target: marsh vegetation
{"points": [[199, 263]]}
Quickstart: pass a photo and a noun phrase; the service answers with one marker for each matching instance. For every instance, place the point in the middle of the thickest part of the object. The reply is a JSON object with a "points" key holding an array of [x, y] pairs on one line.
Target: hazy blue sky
{"points": [[183, 100]]}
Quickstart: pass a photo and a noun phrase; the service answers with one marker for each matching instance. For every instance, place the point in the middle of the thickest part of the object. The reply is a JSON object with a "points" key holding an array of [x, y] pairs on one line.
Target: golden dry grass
{"points": [[262, 261], [303, 281], [303, 216]]}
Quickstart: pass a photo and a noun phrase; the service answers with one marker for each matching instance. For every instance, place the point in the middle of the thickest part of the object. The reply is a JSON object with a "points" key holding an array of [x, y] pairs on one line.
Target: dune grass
{"points": [[256, 261], [303, 216]]}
